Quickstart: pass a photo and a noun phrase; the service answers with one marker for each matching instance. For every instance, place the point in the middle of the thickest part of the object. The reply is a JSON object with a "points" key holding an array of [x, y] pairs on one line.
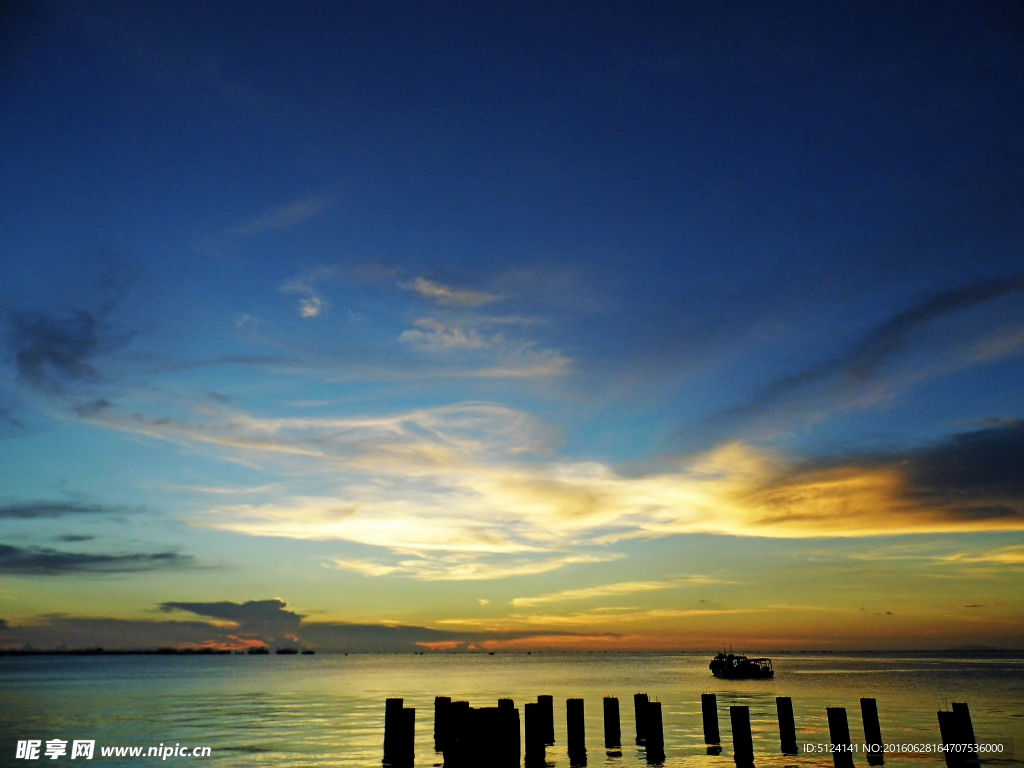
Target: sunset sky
{"points": [[510, 325]]}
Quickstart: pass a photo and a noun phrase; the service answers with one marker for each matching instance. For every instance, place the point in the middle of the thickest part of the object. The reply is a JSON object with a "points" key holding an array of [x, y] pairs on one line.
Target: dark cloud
{"points": [[3, 624], [257, 620], [50, 351], [33, 510], [41, 561], [880, 345], [74, 538], [70, 632], [265, 620], [987, 464], [970, 478], [92, 408]]}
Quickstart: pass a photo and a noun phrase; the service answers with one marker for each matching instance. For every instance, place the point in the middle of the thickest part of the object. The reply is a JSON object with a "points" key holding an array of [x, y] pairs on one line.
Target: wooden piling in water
{"points": [[508, 732], [872, 731], [547, 706], [441, 707], [575, 728], [612, 730], [787, 725], [839, 735], [709, 708], [399, 733], [742, 738], [640, 702], [966, 725], [958, 736], [535, 728], [655, 736]]}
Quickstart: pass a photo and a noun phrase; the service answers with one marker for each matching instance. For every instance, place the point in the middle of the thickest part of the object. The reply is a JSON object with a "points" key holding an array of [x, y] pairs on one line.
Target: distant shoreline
{"points": [[956, 652]]}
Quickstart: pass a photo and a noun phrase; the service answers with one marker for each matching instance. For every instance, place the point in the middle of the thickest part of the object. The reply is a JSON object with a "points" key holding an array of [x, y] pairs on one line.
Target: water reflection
{"points": [[328, 710]]}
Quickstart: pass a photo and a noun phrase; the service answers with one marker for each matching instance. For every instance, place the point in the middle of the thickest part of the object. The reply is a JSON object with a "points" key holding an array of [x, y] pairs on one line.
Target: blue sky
{"points": [[551, 323]]}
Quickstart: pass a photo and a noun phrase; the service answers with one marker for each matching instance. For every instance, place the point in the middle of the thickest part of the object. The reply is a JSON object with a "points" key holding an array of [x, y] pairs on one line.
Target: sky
{"points": [[512, 326]]}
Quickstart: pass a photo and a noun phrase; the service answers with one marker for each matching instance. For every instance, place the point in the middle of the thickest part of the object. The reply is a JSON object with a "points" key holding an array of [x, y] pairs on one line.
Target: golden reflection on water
{"points": [[328, 710]]}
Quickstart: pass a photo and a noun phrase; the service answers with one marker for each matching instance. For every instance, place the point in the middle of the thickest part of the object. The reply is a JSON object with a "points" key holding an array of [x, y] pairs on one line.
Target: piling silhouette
{"points": [[470, 736], [787, 725], [612, 730], [655, 735], [640, 701], [575, 730], [533, 716], [839, 735], [547, 707], [709, 710], [399, 733], [742, 738], [441, 707], [966, 725], [872, 731], [958, 738]]}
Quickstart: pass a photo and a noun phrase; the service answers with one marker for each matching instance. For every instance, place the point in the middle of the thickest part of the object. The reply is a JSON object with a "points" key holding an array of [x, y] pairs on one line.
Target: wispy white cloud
{"points": [[613, 590], [446, 296], [290, 215], [311, 302], [595, 617], [470, 566], [434, 335]]}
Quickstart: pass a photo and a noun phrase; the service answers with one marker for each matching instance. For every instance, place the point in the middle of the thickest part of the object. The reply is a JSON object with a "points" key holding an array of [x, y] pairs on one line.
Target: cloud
{"points": [[435, 336], [853, 375], [35, 510], [41, 561], [469, 567], [447, 296], [473, 491], [51, 352], [312, 303], [265, 620], [612, 590], [238, 625], [285, 217]]}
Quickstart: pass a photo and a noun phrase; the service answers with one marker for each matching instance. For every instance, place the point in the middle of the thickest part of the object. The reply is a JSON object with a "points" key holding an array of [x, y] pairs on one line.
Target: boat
{"points": [[733, 667], [287, 651], [258, 650], [308, 652]]}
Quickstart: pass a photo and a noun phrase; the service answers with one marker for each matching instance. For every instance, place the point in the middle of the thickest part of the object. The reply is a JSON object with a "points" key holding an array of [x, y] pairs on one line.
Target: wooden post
{"points": [[612, 731], [392, 729], [742, 739], [963, 713], [575, 728], [547, 706], [655, 741], [709, 708], [536, 730], [787, 725], [508, 733], [839, 735], [407, 752], [458, 743], [640, 702], [872, 731], [441, 707], [953, 738]]}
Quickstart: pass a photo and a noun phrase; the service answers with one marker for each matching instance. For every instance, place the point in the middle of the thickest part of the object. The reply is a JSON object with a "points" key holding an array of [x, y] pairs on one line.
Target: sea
{"points": [[328, 709]]}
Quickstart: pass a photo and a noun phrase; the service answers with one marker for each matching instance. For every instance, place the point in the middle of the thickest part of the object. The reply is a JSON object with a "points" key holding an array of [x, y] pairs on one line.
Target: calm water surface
{"points": [[328, 710]]}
